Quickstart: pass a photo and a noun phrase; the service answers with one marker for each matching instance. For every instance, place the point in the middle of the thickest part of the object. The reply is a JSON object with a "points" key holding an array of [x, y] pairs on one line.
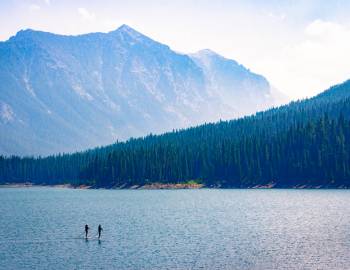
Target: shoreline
{"points": [[31, 185], [167, 186]]}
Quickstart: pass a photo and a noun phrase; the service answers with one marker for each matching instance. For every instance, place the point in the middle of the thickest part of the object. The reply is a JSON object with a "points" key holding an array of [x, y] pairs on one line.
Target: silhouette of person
{"points": [[99, 229], [86, 230]]}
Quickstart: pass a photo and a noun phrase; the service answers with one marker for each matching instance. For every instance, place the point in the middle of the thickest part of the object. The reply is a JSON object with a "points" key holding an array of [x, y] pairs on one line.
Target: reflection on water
{"points": [[43, 228]]}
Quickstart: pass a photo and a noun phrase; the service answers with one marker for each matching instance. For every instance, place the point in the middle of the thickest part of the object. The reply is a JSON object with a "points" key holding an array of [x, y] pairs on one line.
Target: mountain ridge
{"points": [[66, 93]]}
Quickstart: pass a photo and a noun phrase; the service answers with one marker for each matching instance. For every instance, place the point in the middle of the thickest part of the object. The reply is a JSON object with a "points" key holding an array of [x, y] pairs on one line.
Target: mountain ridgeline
{"points": [[304, 143], [70, 93]]}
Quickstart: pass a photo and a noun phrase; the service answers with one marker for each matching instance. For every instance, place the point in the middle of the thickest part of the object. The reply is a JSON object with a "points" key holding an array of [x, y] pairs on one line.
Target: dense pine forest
{"points": [[303, 143]]}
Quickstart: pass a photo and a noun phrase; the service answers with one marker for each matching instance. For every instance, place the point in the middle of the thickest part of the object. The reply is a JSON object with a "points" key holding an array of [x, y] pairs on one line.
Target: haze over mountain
{"points": [[305, 144], [67, 93]]}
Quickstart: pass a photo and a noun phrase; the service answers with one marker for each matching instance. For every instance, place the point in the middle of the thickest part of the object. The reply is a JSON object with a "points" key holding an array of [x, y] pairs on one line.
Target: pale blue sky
{"points": [[300, 46]]}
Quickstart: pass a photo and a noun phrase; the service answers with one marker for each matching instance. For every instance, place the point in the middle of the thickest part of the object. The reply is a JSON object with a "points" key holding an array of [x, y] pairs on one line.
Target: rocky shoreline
{"points": [[145, 187], [155, 186], [30, 185]]}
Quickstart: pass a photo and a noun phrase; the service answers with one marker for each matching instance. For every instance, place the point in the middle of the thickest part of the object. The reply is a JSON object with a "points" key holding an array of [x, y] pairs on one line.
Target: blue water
{"points": [[42, 228]]}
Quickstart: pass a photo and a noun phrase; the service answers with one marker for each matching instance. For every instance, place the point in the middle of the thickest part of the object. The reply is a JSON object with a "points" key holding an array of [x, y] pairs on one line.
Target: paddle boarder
{"points": [[86, 231], [99, 229]]}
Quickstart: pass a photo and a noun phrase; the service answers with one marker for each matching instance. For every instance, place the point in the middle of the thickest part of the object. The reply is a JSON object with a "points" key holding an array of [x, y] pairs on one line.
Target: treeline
{"points": [[316, 153], [303, 143]]}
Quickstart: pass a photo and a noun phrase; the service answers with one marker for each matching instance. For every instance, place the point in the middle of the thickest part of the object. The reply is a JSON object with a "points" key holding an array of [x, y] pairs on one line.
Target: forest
{"points": [[304, 143]]}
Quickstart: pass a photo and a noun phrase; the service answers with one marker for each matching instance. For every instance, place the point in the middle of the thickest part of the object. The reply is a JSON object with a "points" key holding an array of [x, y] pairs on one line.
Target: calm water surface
{"points": [[42, 228]]}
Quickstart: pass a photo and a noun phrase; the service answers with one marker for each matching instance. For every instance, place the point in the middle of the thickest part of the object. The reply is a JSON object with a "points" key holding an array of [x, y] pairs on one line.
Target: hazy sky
{"points": [[302, 47]]}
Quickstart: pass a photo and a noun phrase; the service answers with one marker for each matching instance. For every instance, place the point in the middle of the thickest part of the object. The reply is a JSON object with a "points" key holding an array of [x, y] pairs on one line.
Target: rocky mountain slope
{"points": [[66, 93]]}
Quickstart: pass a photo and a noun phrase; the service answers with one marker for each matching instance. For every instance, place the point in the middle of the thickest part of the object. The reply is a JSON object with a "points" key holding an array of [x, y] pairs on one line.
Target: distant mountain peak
{"points": [[24, 33], [126, 29], [27, 34], [207, 55], [207, 52]]}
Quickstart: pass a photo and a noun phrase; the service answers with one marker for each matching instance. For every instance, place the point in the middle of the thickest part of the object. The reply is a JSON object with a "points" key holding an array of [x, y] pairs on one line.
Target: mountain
{"points": [[305, 143], [221, 74], [67, 93]]}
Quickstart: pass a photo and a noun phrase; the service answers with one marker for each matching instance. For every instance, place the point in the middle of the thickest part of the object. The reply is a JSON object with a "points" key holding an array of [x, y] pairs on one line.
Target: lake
{"points": [[42, 228]]}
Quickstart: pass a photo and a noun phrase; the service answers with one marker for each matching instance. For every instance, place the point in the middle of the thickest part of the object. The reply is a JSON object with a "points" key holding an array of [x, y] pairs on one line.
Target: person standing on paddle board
{"points": [[99, 229], [86, 230]]}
